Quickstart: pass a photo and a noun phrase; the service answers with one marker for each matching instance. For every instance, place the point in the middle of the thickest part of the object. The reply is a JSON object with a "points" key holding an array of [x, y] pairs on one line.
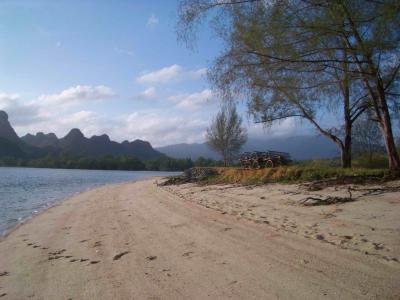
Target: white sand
{"points": [[140, 241]]}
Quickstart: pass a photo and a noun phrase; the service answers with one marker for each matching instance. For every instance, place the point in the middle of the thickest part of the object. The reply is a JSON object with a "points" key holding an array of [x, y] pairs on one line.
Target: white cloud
{"points": [[18, 111], [184, 122], [152, 21], [76, 95], [160, 129], [52, 112], [7, 99], [156, 125], [93, 122], [148, 93], [194, 101], [172, 73]]}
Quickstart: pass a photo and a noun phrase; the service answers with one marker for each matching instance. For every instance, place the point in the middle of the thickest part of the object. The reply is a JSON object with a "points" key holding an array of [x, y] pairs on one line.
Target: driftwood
{"points": [[341, 180], [315, 201], [379, 190], [191, 175]]}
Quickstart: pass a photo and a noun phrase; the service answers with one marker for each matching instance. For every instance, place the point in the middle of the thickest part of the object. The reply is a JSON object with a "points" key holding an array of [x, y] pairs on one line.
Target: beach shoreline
{"points": [[141, 240], [22, 219], [25, 221]]}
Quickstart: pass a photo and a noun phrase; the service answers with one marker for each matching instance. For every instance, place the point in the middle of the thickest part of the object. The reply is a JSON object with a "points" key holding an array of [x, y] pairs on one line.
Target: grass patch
{"points": [[290, 174]]}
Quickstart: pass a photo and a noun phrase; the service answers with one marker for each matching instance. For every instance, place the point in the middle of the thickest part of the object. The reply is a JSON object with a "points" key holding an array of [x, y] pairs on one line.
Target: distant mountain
{"points": [[10, 143], [41, 140], [300, 148], [193, 151], [6, 131], [75, 143], [10, 149]]}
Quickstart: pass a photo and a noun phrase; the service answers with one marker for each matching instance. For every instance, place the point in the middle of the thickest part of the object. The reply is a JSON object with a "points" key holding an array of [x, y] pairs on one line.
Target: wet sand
{"points": [[143, 241]]}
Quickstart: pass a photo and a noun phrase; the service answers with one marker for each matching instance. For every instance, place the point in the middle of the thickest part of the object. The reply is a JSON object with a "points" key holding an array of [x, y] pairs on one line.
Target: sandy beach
{"points": [[145, 241]]}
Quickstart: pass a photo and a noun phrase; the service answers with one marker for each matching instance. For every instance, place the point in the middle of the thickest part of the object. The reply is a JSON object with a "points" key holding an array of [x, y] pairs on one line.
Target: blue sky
{"points": [[110, 67]]}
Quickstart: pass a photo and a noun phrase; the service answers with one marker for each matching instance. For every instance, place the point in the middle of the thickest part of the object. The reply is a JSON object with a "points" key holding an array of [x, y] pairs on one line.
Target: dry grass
{"points": [[290, 174]]}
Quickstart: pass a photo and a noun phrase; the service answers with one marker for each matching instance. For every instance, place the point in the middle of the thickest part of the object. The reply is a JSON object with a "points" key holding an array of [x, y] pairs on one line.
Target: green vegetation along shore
{"points": [[109, 162]]}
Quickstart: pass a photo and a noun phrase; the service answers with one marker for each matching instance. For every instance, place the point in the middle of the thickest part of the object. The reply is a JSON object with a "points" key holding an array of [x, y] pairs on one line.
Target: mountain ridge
{"points": [[304, 147], [74, 142], [6, 130]]}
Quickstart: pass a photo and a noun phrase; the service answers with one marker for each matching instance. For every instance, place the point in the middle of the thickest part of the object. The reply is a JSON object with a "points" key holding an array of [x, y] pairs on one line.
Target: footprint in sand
{"points": [[118, 256], [152, 257], [97, 244], [55, 257], [378, 246], [187, 254], [5, 273], [2, 295], [93, 262], [57, 252]]}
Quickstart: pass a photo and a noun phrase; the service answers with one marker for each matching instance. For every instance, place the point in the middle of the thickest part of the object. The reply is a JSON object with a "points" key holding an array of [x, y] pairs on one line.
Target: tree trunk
{"points": [[386, 127], [376, 92], [346, 155], [348, 123], [225, 156], [346, 146], [393, 157]]}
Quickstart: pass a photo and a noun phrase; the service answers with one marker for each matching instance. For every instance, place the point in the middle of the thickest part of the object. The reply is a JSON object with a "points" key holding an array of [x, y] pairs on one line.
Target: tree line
{"points": [[305, 58], [109, 162]]}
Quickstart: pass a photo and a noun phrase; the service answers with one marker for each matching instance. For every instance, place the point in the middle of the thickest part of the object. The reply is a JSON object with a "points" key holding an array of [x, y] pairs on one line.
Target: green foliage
{"points": [[169, 164], [226, 134], [207, 162], [108, 162], [371, 161], [9, 148], [363, 160], [82, 162], [300, 58]]}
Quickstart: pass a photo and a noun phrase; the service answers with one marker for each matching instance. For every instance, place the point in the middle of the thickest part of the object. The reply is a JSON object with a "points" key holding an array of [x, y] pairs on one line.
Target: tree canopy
{"points": [[295, 58], [226, 134]]}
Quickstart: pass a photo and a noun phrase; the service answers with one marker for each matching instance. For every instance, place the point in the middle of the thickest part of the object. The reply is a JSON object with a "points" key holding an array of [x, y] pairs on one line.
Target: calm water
{"points": [[27, 191]]}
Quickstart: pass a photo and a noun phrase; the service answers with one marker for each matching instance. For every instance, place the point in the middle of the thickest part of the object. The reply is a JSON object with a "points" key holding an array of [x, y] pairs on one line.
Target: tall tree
{"points": [[226, 134], [293, 49], [278, 90]]}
